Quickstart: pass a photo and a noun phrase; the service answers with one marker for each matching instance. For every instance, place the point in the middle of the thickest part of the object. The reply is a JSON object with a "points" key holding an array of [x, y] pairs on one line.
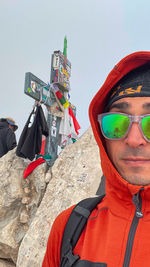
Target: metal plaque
{"points": [[37, 89]]}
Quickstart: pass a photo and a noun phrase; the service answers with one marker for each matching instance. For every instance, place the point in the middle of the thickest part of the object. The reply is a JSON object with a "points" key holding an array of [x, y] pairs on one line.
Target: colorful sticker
{"points": [[29, 90], [53, 131], [54, 123], [56, 61], [34, 86], [55, 79]]}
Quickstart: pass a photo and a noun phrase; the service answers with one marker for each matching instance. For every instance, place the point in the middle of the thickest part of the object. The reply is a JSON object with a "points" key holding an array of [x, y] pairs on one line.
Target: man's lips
{"points": [[136, 161]]}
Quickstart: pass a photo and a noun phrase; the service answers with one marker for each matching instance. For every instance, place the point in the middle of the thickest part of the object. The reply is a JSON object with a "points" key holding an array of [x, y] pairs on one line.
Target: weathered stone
{"points": [[8, 245], [24, 217], [27, 190], [13, 200], [5, 263], [75, 175], [26, 200], [48, 177]]}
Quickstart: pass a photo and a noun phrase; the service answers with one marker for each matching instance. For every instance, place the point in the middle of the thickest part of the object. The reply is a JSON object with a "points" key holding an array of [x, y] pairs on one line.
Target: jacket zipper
{"points": [[137, 201]]}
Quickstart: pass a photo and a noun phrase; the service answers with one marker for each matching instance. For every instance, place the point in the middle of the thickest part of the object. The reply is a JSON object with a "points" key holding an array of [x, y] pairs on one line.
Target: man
{"points": [[117, 232], [7, 135]]}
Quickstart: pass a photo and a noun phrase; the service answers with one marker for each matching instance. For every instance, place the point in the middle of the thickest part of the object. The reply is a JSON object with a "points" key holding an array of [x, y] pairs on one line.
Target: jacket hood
{"points": [[97, 106], [3, 124]]}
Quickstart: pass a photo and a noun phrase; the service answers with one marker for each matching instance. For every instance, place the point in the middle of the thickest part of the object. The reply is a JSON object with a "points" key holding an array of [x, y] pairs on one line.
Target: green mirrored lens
{"points": [[115, 125], [145, 124]]}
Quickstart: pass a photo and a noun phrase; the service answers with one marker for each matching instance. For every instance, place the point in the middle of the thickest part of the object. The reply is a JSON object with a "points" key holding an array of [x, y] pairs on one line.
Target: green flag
{"points": [[65, 47]]}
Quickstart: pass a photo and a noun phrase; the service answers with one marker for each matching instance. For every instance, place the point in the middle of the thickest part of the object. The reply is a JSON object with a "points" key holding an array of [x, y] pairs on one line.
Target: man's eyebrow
{"points": [[146, 105], [122, 105]]}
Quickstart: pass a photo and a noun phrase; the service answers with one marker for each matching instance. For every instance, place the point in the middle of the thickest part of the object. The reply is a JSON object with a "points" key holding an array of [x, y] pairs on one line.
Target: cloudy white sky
{"points": [[99, 33]]}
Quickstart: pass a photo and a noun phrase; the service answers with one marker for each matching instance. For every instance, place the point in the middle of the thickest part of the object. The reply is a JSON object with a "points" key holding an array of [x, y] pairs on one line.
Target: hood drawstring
{"points": [[137, 201]]}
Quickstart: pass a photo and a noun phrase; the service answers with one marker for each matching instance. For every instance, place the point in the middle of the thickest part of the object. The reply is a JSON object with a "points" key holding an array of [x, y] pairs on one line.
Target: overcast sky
{"points": [[99, 34]]}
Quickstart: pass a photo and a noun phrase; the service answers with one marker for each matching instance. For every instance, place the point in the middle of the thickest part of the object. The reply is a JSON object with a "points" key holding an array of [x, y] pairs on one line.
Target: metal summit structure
{"points": [[45, 94]]}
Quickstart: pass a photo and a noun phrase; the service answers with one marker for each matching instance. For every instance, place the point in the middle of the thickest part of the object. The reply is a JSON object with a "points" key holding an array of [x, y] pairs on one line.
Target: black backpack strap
{"points": [[74, 228]]}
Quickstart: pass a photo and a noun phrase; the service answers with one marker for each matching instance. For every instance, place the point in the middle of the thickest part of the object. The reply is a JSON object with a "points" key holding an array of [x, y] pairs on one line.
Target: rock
{"points": [[27, 190], [4, 263], [19, 200], [24, 217], [48, 177], [75, 175], [26, 200]]}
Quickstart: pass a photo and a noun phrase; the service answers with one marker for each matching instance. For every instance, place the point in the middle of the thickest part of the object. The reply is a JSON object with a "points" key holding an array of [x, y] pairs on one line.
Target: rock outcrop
{"points": [[24, 225], [19, 200], [5, 263]]}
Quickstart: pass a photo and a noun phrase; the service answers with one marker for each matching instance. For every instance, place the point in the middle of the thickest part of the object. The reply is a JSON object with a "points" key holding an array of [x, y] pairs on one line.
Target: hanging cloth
{"points": [[32, 166], [75, 122], [68, 130], [59, 96], [31, 138]]}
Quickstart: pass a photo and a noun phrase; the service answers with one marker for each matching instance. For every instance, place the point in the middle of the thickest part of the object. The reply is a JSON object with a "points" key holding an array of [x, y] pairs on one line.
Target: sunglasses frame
{"points": [[132, 118]]}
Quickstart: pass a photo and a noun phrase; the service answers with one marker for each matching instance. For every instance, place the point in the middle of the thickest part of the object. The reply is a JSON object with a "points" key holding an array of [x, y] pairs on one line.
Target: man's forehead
{"points": [[132, 102]]}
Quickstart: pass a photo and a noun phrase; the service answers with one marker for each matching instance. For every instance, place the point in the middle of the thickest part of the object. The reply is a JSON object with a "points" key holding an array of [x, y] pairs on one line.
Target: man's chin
{"points": [[137, 179]]}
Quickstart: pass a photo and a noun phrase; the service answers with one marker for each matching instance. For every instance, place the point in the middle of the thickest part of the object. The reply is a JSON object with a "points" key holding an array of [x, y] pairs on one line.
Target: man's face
{"points": [[131, 155], [11, 127]]}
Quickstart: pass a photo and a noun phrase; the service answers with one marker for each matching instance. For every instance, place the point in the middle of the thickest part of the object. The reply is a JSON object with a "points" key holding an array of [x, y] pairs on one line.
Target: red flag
{"points": [[75, 122]]}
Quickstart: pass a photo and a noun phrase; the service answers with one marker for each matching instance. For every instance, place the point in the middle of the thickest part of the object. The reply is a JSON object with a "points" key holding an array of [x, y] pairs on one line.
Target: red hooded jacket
{"points": [[113, 234]]}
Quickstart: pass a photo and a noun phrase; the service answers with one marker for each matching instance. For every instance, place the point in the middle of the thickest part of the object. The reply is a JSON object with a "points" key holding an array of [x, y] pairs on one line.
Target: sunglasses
{"points": [[116, 126]]}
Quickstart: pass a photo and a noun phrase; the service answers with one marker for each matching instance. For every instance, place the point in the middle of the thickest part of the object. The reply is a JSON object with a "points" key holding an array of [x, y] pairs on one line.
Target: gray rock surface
{"points": [[75, 175], [19, 200], [4, 263], [29, 206]]}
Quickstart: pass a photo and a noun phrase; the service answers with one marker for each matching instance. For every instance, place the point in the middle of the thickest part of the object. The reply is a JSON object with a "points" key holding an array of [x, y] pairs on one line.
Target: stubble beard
{"points": [[136, 180], [134, 175]]}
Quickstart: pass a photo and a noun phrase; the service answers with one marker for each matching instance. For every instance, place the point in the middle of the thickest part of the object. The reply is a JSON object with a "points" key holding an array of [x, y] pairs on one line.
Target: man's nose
{"points": [[135, 138]]}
